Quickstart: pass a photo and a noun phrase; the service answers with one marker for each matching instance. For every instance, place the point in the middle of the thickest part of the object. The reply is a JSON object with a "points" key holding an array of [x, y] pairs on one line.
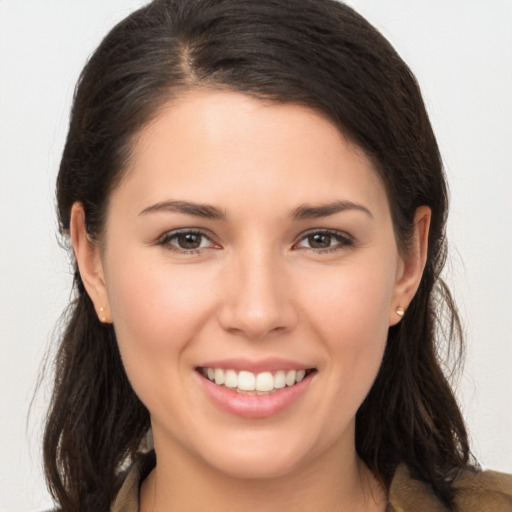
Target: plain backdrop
{"points": [[461, 53]]}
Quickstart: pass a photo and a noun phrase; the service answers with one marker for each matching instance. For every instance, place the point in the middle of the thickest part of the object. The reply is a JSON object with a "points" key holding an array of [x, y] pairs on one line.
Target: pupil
{"points": [[319, 241], [189, 241]]}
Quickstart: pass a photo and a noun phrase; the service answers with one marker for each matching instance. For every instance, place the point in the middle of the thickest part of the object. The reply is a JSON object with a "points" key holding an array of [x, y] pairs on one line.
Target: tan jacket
{"points": [[486, 491]]}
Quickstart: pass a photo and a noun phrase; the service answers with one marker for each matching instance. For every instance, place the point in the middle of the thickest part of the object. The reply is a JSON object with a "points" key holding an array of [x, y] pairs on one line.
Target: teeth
{"points": [[250, 383], [290, 377], [280, 379], [247, 381], [231, 380], [219, 376], [264, 382]]}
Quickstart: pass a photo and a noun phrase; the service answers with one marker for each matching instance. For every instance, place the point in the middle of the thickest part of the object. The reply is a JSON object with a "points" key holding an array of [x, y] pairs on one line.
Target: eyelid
{"points": [[345, 240], [165, 238]]}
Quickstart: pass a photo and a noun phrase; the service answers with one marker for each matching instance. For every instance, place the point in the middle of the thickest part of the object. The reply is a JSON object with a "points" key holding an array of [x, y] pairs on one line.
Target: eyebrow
{"points": [[306, 211], [207, 211], [188, 208]]}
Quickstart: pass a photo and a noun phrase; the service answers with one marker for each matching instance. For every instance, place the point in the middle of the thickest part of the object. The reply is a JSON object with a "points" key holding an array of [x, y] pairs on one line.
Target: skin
{"points": [[257, 287]]}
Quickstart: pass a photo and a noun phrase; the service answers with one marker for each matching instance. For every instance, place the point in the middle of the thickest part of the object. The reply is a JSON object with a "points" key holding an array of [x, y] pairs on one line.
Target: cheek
{"points": [[157, 310], [349, 313], [352, 300], [156, 303]]}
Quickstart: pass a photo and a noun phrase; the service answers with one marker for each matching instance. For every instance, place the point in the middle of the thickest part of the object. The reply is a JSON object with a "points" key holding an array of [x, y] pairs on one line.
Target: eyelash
{"points": [[344, 240], [166, 239]]}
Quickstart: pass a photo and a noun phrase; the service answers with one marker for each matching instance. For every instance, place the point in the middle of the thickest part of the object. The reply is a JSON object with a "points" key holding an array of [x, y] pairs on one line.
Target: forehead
{"points": [[213, 146]]}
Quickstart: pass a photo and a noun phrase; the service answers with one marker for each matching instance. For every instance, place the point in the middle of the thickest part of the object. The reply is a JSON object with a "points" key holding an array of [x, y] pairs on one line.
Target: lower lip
{"points": [[255, 406]]}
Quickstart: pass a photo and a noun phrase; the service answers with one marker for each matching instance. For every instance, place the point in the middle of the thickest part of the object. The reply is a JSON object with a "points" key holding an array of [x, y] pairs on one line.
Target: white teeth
{"points": [[264, 382], [246, 381], [290, 377], [250, 383], [219, 376], [231, 379], [280, 379]]}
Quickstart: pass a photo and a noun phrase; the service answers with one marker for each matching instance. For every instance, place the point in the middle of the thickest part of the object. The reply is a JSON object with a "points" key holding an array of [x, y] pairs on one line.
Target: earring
{"points": [[103, 318], [400, 311]]}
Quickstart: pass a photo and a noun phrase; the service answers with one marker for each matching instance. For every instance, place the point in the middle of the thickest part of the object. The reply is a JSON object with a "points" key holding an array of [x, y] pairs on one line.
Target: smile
{"points": [[250, 383]]}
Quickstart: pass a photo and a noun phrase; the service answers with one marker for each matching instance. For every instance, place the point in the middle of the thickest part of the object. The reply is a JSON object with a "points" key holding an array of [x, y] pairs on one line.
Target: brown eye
{"points": [[189, 240], [320, 240], [325, 241]]}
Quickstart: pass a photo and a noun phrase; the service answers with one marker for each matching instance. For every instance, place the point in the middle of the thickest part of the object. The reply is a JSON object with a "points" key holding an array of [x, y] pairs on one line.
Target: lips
{"points": [[255, 390]]}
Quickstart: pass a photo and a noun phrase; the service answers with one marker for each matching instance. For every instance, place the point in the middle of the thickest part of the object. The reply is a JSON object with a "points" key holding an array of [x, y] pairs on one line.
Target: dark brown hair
{"points": [[318, 53]]}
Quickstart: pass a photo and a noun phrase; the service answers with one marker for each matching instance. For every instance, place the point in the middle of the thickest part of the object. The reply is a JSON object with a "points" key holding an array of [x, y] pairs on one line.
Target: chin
{"points": [[255, 466], [260, 456]]}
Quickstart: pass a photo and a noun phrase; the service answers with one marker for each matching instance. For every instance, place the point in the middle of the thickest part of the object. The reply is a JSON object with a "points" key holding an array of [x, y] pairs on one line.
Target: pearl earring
{"points": [[400, 311], [103, 318]]}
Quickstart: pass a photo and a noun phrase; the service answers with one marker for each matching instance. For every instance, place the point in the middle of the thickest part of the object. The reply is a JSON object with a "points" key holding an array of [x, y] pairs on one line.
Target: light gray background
{"points": [[461, 53]]}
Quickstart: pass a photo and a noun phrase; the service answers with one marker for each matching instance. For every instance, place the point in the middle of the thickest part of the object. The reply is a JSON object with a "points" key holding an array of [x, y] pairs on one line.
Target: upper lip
{"points": [[256, 366]]}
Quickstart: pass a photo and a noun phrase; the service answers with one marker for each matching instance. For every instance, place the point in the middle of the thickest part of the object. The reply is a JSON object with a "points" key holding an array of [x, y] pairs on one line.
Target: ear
{"points": [[88, 258], [411, 266]]}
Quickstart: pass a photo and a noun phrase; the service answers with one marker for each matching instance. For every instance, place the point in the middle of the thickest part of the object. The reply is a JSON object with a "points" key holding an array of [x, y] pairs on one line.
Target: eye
{"points": [[186, 241], [325, 241]]}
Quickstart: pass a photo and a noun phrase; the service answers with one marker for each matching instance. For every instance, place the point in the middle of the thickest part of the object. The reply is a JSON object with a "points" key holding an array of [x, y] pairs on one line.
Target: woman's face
{"points": [[250, 243]]}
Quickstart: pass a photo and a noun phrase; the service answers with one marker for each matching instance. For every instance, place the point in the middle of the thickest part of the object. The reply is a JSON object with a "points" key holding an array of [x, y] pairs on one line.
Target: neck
{"points": [[182, 482]]}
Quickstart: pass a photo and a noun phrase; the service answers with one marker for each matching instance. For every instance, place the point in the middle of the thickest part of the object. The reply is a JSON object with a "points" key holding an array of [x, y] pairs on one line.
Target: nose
{"points": [[257, 297]]}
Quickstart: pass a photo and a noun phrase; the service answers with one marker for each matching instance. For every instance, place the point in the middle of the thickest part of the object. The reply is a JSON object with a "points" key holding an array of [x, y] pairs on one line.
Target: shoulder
{"points": [[475, 491], [476, 488]]}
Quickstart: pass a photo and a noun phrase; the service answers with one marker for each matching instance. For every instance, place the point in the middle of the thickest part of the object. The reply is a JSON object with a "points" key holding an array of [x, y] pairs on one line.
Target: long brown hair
{"points": [[318, 53]]}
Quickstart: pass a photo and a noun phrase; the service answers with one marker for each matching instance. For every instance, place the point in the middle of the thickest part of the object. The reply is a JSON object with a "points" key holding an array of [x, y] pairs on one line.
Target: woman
{"points": [[256, 205]]}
